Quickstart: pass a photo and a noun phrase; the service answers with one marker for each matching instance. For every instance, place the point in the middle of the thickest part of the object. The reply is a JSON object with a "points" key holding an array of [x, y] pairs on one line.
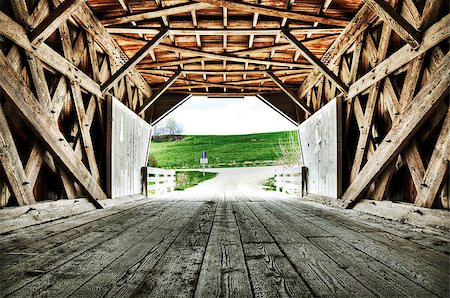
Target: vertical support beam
{"points": [[134, 60], [401, 26], [315, 61], [158, 93], [437, 167], [84, 127], [53, 20], [10, 160], [289, 93]]}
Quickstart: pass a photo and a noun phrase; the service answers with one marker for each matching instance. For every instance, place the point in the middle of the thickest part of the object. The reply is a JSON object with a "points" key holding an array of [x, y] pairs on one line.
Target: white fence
{"points": [[158, 181], [290, 180]]}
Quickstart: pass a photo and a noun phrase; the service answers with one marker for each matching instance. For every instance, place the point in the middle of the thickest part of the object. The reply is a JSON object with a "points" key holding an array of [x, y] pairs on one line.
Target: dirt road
{"points": [[236, 179]]}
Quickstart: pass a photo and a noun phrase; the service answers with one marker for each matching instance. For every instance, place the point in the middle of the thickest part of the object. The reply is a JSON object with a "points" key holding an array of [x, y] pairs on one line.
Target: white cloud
{"points": [[202, 116]]}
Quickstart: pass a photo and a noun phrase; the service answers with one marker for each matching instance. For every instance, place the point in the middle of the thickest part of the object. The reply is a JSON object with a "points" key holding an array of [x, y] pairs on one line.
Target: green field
{"points": [[186, 179], [223, 151]]}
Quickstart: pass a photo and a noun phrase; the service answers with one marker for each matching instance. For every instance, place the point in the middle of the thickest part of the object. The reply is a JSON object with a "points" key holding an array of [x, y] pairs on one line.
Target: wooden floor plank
{"points": [[376, 276], [39, 265], [63, 280], [323, 275], [410, 242], [223, 272], [51, 241], [415, 269], [126, 273], [250, 227], [176, 273], [225, 244], [23, 237], [271, 272]]}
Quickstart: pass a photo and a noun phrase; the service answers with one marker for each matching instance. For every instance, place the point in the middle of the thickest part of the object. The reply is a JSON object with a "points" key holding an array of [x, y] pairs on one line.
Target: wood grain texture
{"points": [[224, 244]]}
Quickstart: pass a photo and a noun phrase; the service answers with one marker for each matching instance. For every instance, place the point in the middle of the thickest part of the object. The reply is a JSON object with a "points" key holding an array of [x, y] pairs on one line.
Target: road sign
{"points": [[204, 160]]}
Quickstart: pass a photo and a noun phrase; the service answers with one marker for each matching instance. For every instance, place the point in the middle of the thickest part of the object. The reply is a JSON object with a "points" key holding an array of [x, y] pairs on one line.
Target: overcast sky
{"points": [[206, 116]]}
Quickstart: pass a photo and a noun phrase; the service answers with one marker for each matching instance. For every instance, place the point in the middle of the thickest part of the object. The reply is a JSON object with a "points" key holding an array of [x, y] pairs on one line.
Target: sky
{"points": [[224, 116]]}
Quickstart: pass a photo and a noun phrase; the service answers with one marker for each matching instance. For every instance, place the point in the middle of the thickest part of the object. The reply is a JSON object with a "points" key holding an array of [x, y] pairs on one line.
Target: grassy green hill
{"points": [[223, 151]]}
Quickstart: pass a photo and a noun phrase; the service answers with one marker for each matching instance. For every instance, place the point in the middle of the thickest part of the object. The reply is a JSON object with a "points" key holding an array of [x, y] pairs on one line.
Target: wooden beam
{"points": [[53, 20], [222, 31], [154, 122], [42, 123], [395, 20], [228, 57], [356, 26], [12, 166], [275, 12], [18, 35], [93, 26], [291, 94], [421, 107], [162, 12], [158, 93], [437, 33], [226, 72], [276, 109], [315, 61], [219, 94], [437, 168], [134, 60]]}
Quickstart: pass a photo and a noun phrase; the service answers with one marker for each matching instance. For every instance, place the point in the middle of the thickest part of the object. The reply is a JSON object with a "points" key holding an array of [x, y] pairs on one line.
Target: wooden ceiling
{"points": [[224, 47]]}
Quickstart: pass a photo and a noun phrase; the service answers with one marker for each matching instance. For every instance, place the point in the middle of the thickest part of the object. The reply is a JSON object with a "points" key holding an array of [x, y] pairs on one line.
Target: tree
{"points": [[289, 152], [168, 127], [173, 127]]}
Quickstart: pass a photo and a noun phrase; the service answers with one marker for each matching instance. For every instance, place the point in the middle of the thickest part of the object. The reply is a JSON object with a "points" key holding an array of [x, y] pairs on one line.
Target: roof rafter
{"points": [[134, 60], [158, 93], [316, 62], [229, 57], [162, 12], [275, 12], [289, 93], [222, 31]]}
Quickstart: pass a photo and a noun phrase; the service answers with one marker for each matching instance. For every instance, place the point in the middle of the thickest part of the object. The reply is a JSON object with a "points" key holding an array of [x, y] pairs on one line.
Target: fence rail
{"points": [[290, 180], [158, 181]]}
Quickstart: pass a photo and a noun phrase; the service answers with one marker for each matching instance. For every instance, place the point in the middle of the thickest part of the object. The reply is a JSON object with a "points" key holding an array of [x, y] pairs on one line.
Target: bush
{"points": [[152, 162]]}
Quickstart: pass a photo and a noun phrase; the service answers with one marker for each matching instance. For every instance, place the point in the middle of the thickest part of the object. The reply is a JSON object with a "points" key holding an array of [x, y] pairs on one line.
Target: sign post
{"points": [[204, 161]]}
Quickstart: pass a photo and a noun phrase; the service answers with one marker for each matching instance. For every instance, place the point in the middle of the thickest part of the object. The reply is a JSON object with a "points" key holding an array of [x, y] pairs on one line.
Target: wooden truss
{"points": [[388, 62]]}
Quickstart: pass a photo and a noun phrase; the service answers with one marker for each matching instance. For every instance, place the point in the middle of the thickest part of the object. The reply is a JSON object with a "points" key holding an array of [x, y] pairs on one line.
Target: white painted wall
{"points": [[321, 145], [128, 142]]}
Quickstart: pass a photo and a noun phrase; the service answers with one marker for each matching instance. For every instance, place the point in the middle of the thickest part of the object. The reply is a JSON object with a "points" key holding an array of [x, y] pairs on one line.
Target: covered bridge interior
{"points": [[64, 63]]}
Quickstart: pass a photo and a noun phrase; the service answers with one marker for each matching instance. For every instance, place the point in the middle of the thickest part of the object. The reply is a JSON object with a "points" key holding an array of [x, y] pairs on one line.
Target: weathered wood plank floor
{"points": [[223, 245]]}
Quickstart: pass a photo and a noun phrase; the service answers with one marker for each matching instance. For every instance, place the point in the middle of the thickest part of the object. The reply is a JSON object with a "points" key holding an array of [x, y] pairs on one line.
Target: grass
{"points": [[186, 179], [223, 151], [269, 184]]}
